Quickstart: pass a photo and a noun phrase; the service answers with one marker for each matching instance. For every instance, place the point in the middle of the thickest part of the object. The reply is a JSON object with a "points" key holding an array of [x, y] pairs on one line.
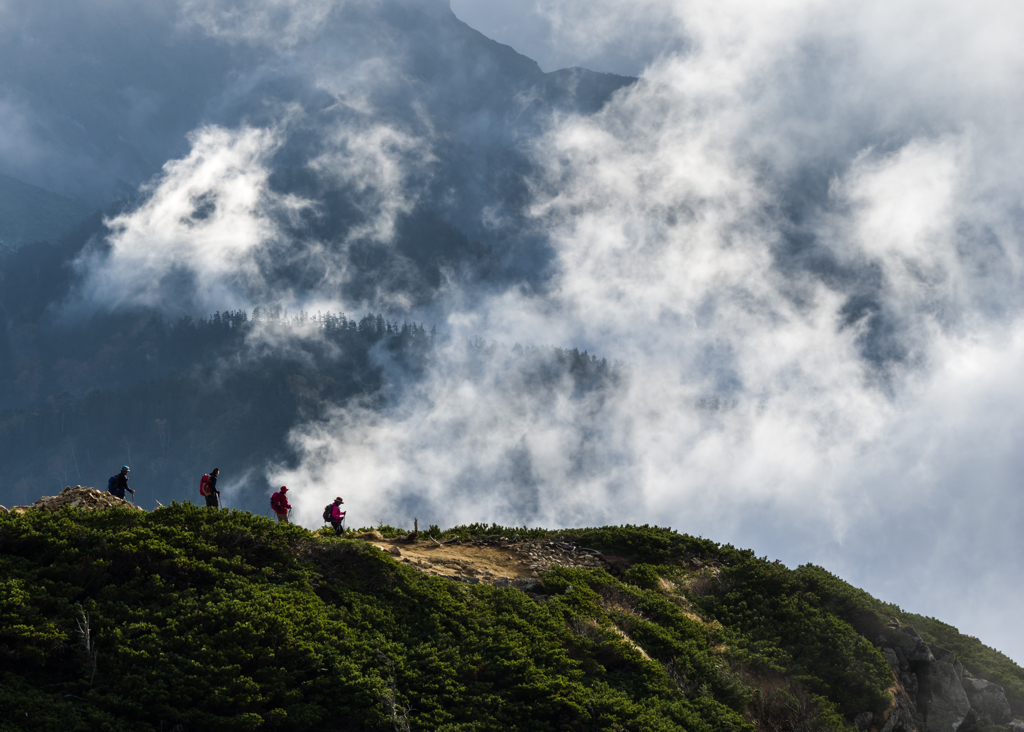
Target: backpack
{"points": [[329, 513], [203, 489], [111, 483]]}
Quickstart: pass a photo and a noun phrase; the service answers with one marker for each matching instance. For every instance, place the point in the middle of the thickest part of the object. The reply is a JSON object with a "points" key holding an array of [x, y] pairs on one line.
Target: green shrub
{"points": [[643, 575], [222, 620], [228, 621]]}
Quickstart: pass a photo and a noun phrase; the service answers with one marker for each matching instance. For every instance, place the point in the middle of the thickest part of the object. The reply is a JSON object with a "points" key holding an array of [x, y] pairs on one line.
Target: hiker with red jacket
{"points": [[208, 488], [279, 502]]}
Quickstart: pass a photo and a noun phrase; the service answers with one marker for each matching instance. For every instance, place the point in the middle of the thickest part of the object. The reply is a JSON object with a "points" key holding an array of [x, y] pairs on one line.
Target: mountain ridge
{"points": [[224, 620]]}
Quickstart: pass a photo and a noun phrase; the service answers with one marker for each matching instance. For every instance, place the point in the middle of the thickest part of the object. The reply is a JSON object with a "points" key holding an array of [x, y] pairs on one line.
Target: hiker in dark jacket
{"points": [[120, 484], [279, 502], [337, 516], [213, 497]]}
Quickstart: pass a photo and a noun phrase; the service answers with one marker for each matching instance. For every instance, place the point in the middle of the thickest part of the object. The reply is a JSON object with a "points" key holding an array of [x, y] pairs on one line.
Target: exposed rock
{"points": [[892, 658], [1016, 726], [901, 716], [85, 498], [863, 721], [910, 685], [941, 698], [3, 509], [543, 555], [370, 535], [941, 654], [906, 640], [988, 700], [527, 584], [617, 566], [970, 723], [394, 551]]}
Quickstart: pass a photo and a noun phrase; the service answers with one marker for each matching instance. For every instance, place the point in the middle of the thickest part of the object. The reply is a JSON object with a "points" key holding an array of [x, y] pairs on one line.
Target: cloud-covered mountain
{"points": [[96, 96]]}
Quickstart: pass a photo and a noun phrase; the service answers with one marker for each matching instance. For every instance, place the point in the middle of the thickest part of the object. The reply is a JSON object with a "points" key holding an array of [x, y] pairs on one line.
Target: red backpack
{"points": [[203, 489]]}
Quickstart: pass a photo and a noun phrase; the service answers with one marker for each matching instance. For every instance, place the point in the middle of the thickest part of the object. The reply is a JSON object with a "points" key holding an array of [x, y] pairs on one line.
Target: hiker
{"points": [[336, 516], [118, 484], [279, 502], [212, 494]]}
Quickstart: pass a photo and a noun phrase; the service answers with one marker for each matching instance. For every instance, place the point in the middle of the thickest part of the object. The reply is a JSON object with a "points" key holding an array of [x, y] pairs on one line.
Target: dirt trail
{"points": [[489, 562]]}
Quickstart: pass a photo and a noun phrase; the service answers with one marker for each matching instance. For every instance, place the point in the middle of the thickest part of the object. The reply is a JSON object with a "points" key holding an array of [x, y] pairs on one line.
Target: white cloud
{"points": [[376, 163], [211, 233], [193, 242]]}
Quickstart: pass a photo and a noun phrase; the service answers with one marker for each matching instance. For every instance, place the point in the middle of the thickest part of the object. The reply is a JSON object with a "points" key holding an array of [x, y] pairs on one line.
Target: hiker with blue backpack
{"points": [[118, 484]]}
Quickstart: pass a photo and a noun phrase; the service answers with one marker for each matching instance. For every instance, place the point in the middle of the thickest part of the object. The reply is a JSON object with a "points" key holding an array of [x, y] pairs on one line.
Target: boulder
{"points": [[970, 723], [906, 640], [941, 654], [941, 698], [988, 700], [370, 536], [527, 584], [1016, 726]]}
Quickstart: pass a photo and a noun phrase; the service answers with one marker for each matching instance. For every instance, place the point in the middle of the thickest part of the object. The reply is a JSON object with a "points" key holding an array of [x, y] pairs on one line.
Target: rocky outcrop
{"points": [[543, 555], [988, 700], [901, 716], [908, 646], [935, 693], [941, 698], [85, 498]]}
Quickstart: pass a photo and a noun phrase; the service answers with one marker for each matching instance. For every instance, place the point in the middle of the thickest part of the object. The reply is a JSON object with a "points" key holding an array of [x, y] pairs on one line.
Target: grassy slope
{"points": [[226, 621]]}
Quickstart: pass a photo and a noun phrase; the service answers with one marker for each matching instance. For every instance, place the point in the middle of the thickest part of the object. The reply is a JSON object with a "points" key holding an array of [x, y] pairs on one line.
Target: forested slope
{"points": [[191, 619]]}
